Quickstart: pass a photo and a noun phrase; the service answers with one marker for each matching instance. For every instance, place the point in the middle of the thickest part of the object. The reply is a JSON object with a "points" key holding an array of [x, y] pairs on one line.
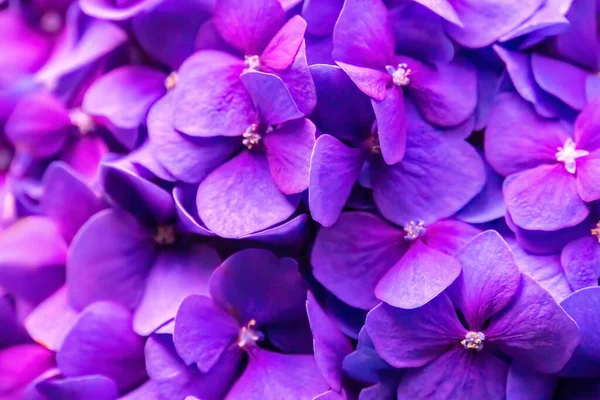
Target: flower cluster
{"points": [[299, 199]]}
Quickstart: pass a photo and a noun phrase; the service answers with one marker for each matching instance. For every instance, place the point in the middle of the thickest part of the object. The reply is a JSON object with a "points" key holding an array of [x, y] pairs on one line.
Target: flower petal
{"points": [[174, 275], [109, 259], [581, 262], [350, 257], [283, 47], [288, 150], [277, 294], [421, 274], [391, 124], [273, 376], [204, 332], [334, 168], [210, 99], [455, 374], [544, 198], [489, 279], [415, 337], [240, 197], [102, 342], [248, 25], [534, 330]]}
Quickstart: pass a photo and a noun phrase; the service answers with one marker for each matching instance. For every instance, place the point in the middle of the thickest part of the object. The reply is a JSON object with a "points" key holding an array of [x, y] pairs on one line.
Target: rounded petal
{"points": [[445, 94], [210, 99], [581, 261], [204, 332], [67, 199], [276, 294], [102, 342], [412, 338], [363, 35], [189, 159], [421, 274], [489, 279], [32, 275], [283, 47], [454, 374], [512, 140], [534, 330], [391, 125], [288, 149], [273, 376], [248, 25], [582, 306], [174, 275], [39, 125], [561, 207], [437, 177], [240, 197], [109, 259], [334, 169], [120, 100], [525, 383], [350, 257]]}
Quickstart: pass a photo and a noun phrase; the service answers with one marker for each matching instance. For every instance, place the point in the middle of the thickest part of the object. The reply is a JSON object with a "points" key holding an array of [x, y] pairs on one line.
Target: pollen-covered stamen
{"points": [[251, 137], [171, 80], [400, 75], [473, 341], [568, 154], [84, 122], [596, 231], [165, 235], [248, 335], [414, 230], [251, 63]]}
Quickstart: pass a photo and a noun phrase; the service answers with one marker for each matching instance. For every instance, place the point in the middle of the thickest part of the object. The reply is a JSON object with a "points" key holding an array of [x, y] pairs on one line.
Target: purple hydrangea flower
{"points": [[450, 344], [556, 167], [232, 326], [363, 259]]}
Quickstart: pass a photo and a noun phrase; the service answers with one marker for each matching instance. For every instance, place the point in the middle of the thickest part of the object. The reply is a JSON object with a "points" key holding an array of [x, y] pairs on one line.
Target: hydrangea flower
{"points": [[363, 259], [556, 167], [450, 344], [434, 161], [220, 332]]}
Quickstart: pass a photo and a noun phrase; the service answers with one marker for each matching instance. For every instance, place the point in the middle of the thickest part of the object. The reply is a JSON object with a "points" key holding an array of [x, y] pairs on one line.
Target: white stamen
{"points": [[414, 230], [248, 335], [251, 63], [473, 341], [568, 154], [84, 122], [251, 137], [400, 75]]}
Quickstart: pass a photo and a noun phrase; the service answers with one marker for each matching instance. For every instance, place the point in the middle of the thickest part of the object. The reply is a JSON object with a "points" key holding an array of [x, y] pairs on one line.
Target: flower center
{"points": [[568, 154], [248, 335], [84, 122], [251, 137], [596, 231], [251, 63], [400, 75], [414, 230], [165, 235], [171, 80], [473, 341]]}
